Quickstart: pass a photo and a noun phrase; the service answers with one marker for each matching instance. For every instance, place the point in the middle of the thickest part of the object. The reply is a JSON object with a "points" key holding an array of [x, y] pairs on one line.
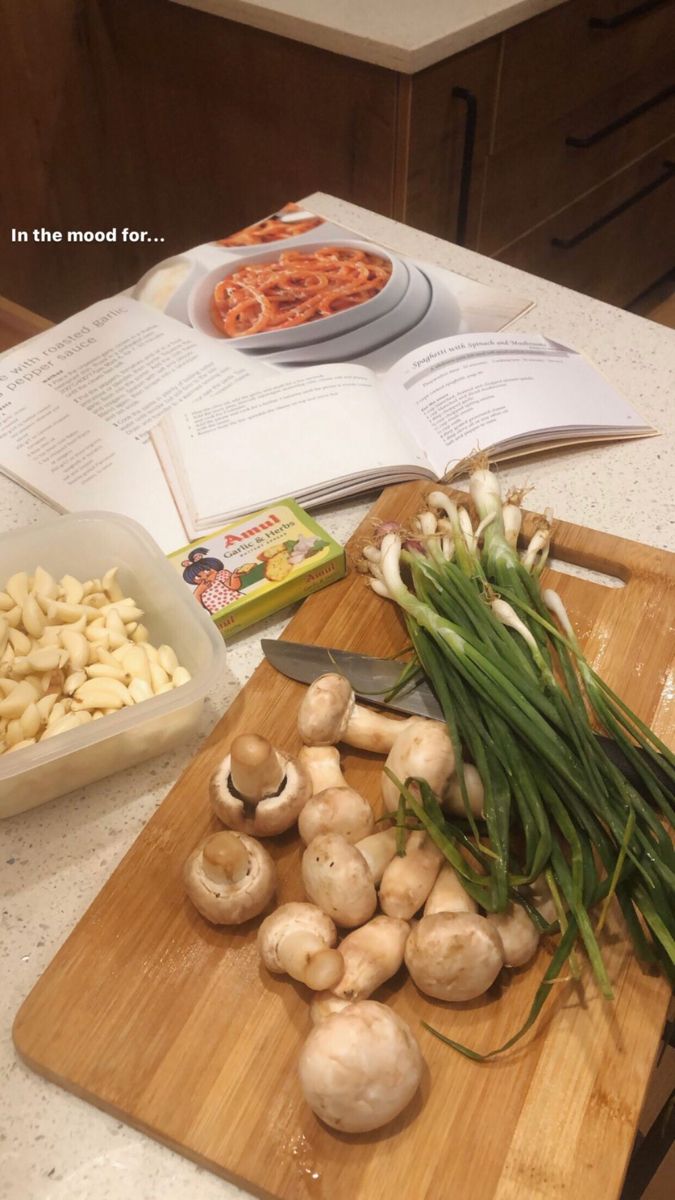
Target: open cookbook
{"points": [[293, 358]]}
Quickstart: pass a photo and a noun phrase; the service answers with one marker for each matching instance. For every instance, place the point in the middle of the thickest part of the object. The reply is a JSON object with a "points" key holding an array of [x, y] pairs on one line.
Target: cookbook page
{"points": [[77, 403], [503, 391], [295, 436]]}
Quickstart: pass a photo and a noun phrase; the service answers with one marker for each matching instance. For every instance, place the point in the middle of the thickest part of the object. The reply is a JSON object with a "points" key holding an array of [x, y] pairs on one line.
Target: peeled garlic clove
{"points": [[72, 589], [181, 675], [99, 670], [158, 676], [45, 583], [135, 662], [6, 602], [78, 649], [110, 585], [103, 693], [140, 690], [30, 720], [13, 616], [166, 657], [140, 634], [19, 642], [14, 733], [45, 705], [17, 587], [73, 682], [17, 701], [48, 658], [32, 616], [69, 721]]}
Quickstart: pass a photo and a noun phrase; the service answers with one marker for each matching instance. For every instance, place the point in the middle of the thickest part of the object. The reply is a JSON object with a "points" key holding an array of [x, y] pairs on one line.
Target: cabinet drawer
{"points": [[615, 241], [560, 61], [548, 170], [447, 114]]}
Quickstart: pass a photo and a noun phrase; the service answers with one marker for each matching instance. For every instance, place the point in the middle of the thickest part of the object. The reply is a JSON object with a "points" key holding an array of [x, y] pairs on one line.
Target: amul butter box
{"points": [[258, 564]]}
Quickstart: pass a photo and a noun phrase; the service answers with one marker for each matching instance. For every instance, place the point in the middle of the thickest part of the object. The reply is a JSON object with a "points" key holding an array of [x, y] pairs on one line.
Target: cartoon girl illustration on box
{"points": [[215, 586]]}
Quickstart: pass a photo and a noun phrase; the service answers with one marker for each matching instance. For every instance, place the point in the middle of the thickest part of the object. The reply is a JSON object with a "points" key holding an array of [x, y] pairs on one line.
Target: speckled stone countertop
{"points": [[55, 859], [389, 33]]}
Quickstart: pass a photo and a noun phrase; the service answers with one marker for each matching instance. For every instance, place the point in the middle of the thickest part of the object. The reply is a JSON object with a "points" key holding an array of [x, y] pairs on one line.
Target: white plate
{"points": [[383, 331], [199, 304]]}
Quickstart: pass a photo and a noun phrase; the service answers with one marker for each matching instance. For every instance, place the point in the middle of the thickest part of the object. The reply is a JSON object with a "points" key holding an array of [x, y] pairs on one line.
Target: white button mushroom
{"points": [[519, 935], [422, 750], [360, 1068], [453, 801], [448, 894], [371, 955], [335, 807], [257, 789], [407, 880], [298, 940], [329, 714], [230, 878], [337, 878], [454, 956]]}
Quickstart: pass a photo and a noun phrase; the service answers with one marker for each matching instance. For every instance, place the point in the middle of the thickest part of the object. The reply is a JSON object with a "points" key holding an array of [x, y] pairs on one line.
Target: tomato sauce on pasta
{"points": [[272, 229], [300, 286]]}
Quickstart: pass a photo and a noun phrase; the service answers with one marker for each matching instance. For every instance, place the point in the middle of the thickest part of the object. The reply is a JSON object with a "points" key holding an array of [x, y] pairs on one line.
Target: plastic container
{"points": [[86, 545]]}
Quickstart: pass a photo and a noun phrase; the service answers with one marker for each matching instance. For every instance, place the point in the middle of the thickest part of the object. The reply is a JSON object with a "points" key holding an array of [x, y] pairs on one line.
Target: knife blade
{"points": [[372, 678]]}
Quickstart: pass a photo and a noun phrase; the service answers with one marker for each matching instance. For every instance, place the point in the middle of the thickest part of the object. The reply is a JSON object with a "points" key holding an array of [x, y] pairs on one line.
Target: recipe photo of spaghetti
{"points": [[272, 229], [299, 286]]}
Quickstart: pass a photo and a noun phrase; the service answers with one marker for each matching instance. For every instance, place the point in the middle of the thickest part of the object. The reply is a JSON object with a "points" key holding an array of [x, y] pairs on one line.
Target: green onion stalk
{"points": [[522, 704]]}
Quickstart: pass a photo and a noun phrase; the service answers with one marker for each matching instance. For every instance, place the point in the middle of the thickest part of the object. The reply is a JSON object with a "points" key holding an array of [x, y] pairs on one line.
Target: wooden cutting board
{"points": [[171, 1024]]}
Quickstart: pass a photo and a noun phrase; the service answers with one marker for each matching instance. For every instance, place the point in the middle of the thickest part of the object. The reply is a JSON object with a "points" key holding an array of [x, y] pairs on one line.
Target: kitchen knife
{"points": [[372, 678]]}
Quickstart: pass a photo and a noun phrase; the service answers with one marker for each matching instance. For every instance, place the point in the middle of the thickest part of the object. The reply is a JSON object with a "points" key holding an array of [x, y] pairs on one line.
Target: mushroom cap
{"points": [[371, 954], [325, 710], [294, 917], [336, 810], [519, 935], [422, 749], [271, 815], [337, 879], [360, 1067], [454, 956], [227, 902]]}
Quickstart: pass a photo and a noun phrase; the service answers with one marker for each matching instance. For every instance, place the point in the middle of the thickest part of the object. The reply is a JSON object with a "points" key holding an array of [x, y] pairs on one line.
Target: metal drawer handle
{"points": [[570, 243], [622, 18], [583, 143], [471, 102]]}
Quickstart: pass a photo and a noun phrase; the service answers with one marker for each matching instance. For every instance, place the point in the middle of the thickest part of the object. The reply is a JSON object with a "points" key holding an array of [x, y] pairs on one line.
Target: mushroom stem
{"points": [[407, 881], [323, 765], [378, 851], [225, 858], [256, 770], [370, 730], [306, 957], [448, 894]]}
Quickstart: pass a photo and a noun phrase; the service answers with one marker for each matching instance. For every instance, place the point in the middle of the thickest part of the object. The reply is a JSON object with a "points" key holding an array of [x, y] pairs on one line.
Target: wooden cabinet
{"points": [[615, 241], [448, 111], [156, 116], [578, 186]]}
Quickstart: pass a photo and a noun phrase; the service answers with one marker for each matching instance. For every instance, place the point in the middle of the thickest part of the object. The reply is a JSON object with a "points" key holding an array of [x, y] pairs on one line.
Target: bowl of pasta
{"points": [[282, 298]]}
